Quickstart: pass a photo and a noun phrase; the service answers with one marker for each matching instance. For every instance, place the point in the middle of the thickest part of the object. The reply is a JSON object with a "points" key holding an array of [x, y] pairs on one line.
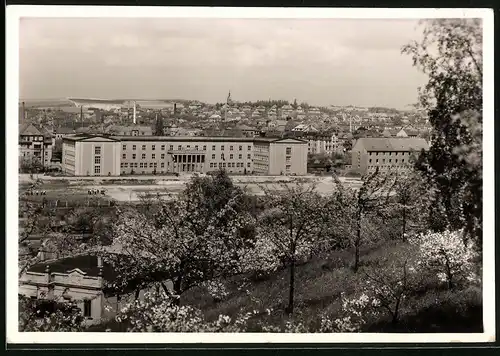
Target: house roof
{"points": [[245, 128], [85, 136], [64, 130], [390, 144], [29, 129]]}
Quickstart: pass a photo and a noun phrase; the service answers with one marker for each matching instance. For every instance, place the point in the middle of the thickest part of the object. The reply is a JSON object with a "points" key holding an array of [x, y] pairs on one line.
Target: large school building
{"points": [[101, 155]]}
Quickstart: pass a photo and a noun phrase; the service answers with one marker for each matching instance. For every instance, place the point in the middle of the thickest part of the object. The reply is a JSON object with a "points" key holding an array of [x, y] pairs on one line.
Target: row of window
{"points": [[229, 165], [142, 165], [162, 156], [231, 156], [179, 147], [390, 160], [390, 153], [33, 138]]}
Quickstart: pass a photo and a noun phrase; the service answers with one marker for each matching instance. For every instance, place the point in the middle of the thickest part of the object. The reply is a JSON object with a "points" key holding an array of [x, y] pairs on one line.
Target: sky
{"points": [[319, 61]]}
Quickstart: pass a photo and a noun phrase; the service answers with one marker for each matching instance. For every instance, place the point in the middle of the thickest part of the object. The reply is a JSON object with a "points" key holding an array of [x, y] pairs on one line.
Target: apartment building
{"points": [[95, 155], [91, 155], [35, 142], [386, 153], [175, 154], [81, 279], [280, 156]]}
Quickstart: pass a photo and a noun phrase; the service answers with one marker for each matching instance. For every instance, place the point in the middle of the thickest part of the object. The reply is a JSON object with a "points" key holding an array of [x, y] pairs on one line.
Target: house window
{"points": [[403, 161], [97, 170], [125, 165], [171, 147], [222, 156], [222, 147], [396, 161], [288, 167], [97, 150], [87, 308], [124, 147], [162, 164], [230, 148], [124, 156], [163, 147], [141, 165], [288, 150], [213, 148], [370, 160], [383, 161], [143, 156], [230, 156], [163, 156], [213, 156], [188, 146], [143, 147], [179, 147], [249, 156], [204, 148], [288, 159], [153, 147], [134, 147], [376, 161], [97, 160], [240, 156], [196, 147], [248, 164], [151, 165], [133, 156], [249, 148], [153, 156], [390, 160]]}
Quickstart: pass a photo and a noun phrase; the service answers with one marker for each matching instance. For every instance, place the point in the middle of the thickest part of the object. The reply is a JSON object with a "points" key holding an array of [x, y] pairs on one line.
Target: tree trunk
{"points": [[404, 224], [396, 312], [449, 275], [357, 242], [177, 285], [291, 291]]}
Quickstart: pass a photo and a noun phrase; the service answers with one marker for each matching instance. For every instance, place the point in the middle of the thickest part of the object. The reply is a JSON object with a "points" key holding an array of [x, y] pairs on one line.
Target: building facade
{"points": [[280, 156], [87, 155], [386, 153], [79, 279], [36, 143]]}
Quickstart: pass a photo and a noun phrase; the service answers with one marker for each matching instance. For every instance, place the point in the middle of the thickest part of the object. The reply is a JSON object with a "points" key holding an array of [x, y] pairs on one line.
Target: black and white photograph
{"points": [[280, 175]]}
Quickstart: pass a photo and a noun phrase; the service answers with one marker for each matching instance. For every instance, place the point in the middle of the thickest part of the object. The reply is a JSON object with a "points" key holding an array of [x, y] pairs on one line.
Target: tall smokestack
{"points": [[81, 114], [135, 114], [175, 108], [23, 115]]}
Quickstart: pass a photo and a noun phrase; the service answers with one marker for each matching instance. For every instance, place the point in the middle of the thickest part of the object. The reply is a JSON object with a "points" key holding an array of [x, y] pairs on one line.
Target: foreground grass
{"points": [[319, 285]]}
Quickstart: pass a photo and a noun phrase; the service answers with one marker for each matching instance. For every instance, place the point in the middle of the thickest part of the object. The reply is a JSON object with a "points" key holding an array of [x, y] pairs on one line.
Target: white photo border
{"points": [[14, 13]]}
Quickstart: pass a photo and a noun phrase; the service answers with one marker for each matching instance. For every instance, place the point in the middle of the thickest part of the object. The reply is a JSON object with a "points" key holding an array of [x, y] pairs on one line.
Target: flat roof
{"points": [[184, 138]]}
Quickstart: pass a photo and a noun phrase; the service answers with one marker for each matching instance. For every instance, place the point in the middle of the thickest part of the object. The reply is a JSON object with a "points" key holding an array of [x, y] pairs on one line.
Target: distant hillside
{"points": [[44, 103]]}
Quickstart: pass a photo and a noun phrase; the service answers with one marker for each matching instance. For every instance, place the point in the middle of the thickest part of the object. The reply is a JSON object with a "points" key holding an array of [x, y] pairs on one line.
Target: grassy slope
{"points": [[318, 287]]}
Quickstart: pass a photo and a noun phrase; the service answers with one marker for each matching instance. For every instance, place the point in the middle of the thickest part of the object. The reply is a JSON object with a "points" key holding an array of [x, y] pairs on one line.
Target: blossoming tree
{"points": [[289, 227]]}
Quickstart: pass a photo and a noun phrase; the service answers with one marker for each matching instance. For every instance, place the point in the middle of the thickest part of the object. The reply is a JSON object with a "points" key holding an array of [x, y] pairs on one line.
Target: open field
{"points": [[124, 189]]}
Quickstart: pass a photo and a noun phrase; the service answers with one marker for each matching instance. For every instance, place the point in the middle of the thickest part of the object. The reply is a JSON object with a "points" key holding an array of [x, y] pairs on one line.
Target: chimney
{"points": [[135, 114], [23, 115], [175, 108], [81, 114]]}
